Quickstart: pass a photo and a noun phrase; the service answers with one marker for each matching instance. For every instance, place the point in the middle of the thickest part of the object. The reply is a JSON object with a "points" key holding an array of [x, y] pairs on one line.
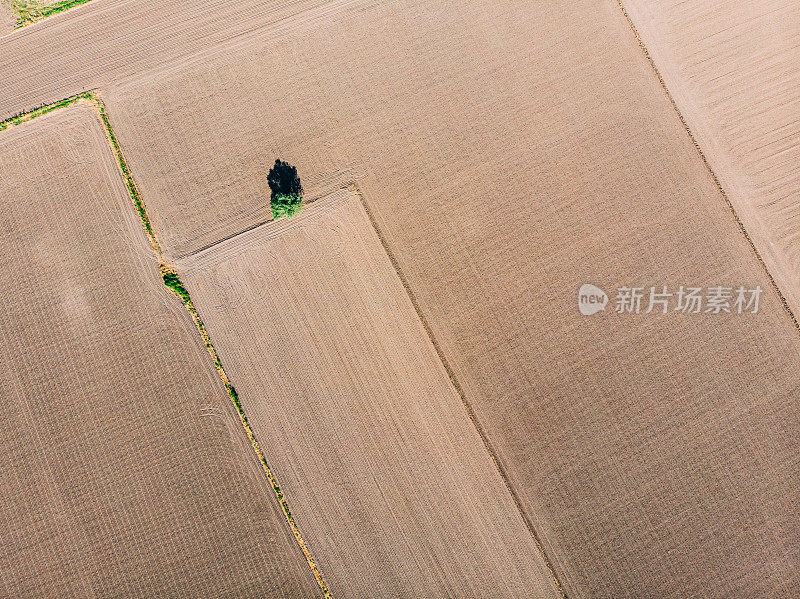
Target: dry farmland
{"points": [[107, 40], [125, 471], [7, 18], [507, 153], [387, 477], [650, 453], [734, 71]]}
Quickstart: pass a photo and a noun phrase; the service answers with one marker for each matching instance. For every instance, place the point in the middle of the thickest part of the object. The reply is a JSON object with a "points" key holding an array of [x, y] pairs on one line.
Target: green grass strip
{"points": [[172, 281], [29, 12], [22, 117], [174, 284], [126, 174]]}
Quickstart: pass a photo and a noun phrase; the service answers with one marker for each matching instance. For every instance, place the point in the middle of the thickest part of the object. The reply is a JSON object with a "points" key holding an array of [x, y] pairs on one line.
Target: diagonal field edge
{"points": [[182, 294], [176, 288], [460, 391], [27, 115], [208, 246], [280, 227], [714, 177]]}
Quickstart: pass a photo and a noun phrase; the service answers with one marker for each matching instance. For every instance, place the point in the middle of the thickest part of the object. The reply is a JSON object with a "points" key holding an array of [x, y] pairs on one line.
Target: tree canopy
{"points": [[287, 191]]}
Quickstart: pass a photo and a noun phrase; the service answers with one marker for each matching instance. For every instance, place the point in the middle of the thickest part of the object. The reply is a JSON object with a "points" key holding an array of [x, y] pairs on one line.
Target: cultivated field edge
{"points": [[27, 115], [460, 391], [173, 283], [714, 177]]}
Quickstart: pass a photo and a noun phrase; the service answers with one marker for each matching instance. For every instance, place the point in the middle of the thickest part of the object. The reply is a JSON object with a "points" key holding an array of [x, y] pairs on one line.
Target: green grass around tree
{"points": [[285, 205], [287, 192]]}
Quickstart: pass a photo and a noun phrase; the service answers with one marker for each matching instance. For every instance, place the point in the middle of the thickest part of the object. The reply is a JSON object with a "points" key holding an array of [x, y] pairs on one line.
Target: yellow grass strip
{"points": [[459, 390], [688, 130], [172, 282]]}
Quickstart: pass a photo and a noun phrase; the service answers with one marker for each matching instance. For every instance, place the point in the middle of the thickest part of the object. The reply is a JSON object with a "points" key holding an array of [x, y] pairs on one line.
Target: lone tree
{"points": [[287, 192]]}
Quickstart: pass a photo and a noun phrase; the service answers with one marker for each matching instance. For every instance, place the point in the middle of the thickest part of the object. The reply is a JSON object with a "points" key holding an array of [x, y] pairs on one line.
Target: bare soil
{"points": [[387, 478], [124, 470], [734, 71], [507, 165]]}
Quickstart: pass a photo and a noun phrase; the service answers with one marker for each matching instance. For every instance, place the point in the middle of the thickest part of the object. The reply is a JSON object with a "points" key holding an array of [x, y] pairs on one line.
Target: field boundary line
{"points": [[702, 154], [168, 273], [136, 199], [240, 39], [460, 391], [306, 203], [173, 284], [42, 109]]}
